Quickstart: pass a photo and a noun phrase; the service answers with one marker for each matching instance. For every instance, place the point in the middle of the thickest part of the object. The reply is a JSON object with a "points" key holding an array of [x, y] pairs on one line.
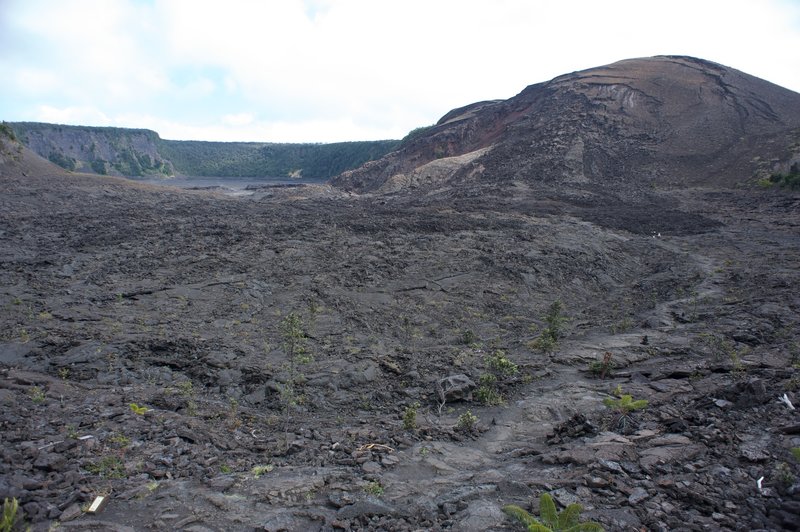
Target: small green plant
{"points": [[120, 440], [500, 365], [374, 488], [550, 520], [625, 403], [468, 337], [72, 432], [487, 390], [796, 453], [294, 347], [151, 486], [783, 473], [12, 517], [186, 389], [259, 470], [623, 406], [602, 368], [63, 373], [37, 394], [234, 421], [410, 417], [225, 469], [108, 467], [139, 410], [467, 422], [738, 370], [719, 346], [622, 326], [499, 368], [555, 320]]}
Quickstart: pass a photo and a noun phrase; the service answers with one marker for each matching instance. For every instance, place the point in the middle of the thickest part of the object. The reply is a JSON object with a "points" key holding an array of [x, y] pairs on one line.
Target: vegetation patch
{"points": [[790, 179]]}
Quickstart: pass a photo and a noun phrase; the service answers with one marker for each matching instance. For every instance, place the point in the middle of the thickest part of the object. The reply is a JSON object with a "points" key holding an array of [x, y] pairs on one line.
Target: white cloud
{"points": [[35, 80], [240, 119], [72, 115]]}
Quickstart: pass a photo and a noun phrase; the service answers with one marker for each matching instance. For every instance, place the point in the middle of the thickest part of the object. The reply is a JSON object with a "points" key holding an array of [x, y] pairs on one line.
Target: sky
{"points": [[343, 70]]}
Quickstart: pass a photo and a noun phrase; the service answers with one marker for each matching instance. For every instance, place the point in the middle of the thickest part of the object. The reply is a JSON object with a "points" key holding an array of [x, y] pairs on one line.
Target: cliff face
{"points": [[663, 120], [101, 150], [18, 161], [140, 152]]}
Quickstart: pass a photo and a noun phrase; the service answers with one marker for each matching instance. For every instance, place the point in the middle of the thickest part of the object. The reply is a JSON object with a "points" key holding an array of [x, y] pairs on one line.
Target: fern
{"points": [[568, 520], [520, 515], [9, 518], [139, 410], [625, 403], [547, 511], [570, 517]]}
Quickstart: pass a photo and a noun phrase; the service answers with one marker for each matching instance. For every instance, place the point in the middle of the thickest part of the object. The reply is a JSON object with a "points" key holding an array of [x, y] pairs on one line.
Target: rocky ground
{"points": [[114, 295]]}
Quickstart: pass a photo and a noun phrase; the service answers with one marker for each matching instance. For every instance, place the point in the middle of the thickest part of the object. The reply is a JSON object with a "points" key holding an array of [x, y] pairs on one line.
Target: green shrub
{"points": [[555, 320], [467, 422], [410, 417], [62, 160], [602, 368], [790, 180], [259, 470], [468, 337], [499, 368], [500, 365], [487, 390], [99, 166], [6, 131], [37, 394], [374, 488], [108, 467]]}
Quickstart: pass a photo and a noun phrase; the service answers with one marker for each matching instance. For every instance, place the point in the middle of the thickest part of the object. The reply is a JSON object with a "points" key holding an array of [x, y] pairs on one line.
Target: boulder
{"points": [[455, 388]]}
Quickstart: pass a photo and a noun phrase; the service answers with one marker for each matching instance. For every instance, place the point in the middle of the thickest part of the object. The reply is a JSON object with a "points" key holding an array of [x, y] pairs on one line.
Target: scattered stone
{"points": [[564, 497], [371, 467], [637, 495], [368, 507], [73, 511], [49, 461], [389, 460], [596, 482], [339, 499], [610, 465], [755, 450], [480, 516]]}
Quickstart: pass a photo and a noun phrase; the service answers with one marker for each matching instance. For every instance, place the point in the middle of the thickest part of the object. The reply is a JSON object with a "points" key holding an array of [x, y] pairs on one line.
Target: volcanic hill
{"points": [[666, 120]]}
